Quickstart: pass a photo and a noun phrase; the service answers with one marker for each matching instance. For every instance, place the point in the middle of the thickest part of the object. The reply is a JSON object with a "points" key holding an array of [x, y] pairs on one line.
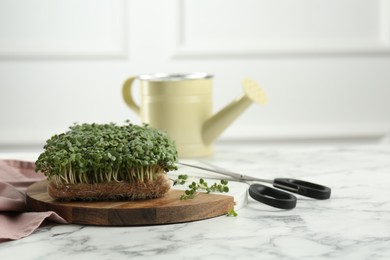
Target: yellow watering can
{"points": [[181, 105]]}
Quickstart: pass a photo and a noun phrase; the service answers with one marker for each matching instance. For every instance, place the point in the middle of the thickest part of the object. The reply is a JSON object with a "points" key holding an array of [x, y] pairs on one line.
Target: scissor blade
{"points": [[233, 175]]}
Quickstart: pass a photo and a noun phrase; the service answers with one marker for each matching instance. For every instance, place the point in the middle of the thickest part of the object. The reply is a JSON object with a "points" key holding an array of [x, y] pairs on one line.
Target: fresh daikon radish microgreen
{"points": [[94, 153], [202, 185], [232, 213], [181, 179]]}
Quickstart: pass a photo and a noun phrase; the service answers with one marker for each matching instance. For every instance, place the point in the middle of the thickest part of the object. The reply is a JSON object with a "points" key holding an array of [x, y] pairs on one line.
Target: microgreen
{"points": [[181, 179], [202, 185], [232, 213], [93, 153]]}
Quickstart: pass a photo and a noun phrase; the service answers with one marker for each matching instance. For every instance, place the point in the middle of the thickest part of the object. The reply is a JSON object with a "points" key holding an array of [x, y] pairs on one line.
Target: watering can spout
{"points": [[217, 123]]}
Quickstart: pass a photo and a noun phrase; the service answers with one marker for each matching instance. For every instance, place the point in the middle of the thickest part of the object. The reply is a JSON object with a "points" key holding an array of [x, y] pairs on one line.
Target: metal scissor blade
{"points": [[233, 175]]}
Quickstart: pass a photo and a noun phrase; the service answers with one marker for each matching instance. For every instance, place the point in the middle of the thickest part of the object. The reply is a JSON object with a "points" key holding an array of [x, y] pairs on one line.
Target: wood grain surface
{"points": [[166, 210]]}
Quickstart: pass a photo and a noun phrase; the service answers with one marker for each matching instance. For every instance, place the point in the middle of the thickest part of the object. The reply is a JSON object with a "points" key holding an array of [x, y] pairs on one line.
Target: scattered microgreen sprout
{"points": [[181, 179], [95, 153], [232, 213], [202, 185]]}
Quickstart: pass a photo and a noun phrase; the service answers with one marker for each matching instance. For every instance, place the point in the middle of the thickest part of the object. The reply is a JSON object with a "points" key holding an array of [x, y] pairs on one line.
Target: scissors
{"points": [[273, 197]]}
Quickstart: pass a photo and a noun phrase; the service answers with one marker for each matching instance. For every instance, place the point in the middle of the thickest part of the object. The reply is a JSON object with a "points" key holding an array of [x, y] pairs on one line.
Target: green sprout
{"points": [[95, 153], [232, 213], [181, 179], [202, 185]]}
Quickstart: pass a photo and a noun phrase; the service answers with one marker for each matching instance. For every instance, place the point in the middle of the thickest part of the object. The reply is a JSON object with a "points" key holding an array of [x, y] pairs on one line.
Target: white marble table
{"points": [[353, 224]]}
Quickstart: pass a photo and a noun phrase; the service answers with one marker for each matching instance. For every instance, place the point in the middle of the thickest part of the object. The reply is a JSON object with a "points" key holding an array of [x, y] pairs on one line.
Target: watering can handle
{"points": [[128, 96]]}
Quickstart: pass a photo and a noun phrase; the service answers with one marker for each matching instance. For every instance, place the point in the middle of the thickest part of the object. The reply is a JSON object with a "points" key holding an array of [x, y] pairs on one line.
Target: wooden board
{"points": [[166, 210]]}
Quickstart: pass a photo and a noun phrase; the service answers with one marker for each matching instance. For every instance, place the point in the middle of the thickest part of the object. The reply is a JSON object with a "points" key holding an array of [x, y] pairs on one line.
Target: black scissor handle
{"points": [[304, 188], [272, 197]]}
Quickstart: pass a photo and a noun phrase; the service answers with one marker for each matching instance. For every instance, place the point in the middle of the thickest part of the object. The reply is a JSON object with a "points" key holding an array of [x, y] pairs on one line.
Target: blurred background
{"points": [[324, 64]]}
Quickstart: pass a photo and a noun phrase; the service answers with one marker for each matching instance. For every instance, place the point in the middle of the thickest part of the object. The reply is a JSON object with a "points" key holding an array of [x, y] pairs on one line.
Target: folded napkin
{"points": [[15, 222]]}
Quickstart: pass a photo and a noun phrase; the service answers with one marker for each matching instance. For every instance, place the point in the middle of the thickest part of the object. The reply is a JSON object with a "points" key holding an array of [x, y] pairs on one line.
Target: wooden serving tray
{"points": [[166, 210]]}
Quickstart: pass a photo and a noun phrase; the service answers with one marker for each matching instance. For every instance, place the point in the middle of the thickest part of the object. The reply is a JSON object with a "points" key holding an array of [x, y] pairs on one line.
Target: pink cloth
{"points": [[15, 222]]}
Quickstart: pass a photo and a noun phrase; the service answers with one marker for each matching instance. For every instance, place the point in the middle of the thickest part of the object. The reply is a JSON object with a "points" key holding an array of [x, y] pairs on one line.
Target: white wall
{"points": [[324, 64]]}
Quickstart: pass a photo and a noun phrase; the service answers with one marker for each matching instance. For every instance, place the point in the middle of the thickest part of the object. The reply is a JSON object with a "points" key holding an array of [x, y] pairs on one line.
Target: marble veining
{"points": [[353, 224]]}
